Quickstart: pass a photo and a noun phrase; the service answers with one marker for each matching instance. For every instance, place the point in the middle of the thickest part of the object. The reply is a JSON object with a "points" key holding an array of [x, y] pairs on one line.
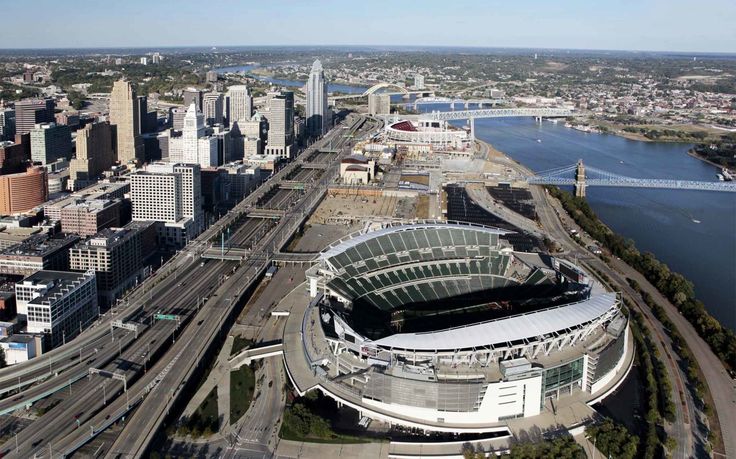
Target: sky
{"points": [[650, 25]]}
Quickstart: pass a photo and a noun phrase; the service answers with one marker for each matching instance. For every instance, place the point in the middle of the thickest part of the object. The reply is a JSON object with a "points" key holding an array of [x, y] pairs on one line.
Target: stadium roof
{"points": [[505, 330], [345, 244]]}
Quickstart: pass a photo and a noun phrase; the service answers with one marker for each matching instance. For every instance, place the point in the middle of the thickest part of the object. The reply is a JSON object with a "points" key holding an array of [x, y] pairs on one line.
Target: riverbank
{"points": [[676, 133], [705, 160]]}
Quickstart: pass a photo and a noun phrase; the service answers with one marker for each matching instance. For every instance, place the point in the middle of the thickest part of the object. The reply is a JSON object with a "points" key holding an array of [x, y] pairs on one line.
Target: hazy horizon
{"points": [[648, 26]]}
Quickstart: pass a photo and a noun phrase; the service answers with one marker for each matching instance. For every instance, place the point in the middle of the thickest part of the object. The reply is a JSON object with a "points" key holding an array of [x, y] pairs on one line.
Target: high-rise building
{"points": [[193, 95], [124, 111], [50, 142], [211, 76], [240, 103], [213, 108], [176, 117], [171, 194], [280, 124], [30, 112], [379, 104], [193, 146], [144, 60], [317, 122], [7, 124], [117, 255], [419, 81], [58, 303], [95, 154], [156, 58], [23, 191], [15, 156]]}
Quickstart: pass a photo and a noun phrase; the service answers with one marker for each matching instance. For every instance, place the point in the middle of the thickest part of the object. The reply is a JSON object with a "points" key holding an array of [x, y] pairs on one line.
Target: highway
{"points": [[156, 371]]}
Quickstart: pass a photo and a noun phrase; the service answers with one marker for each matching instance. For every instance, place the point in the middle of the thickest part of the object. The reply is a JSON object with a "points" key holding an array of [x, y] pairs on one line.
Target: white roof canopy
{"points": [[501, 331]]}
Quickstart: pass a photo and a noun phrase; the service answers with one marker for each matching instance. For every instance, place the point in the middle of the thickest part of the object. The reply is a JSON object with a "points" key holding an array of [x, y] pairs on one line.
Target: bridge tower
{"points": [[580, 179]]}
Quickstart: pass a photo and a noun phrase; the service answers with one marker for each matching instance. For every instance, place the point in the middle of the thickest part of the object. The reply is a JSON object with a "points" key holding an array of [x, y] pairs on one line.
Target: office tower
{"points": [[176, 117], [144, 61], [30, 112], [193, 146], [211, 76], [156, 58], [419, 81], [280, 124], [240, 103], [124, 108], [213, 108], [59, 303], [379, 104], [117, 255], [50, 142], [317, 122], [141, 107], [171, 194], [95, 154], [7, 124], [23, 191], [15, 155], [193, 95]]}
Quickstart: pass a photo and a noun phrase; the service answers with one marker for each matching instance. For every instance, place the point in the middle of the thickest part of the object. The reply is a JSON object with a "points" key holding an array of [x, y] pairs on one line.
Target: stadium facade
{"points": [[433, 133], [440, 326]]}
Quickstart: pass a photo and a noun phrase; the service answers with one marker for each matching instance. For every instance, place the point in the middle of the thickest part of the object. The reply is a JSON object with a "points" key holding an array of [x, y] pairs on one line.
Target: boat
{"points": [[539, 140], [720, 177], [695, 221], [726, 175]]}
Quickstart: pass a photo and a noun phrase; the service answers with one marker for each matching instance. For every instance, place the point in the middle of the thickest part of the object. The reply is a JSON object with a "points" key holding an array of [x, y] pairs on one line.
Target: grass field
{"points": [[242, 386]]}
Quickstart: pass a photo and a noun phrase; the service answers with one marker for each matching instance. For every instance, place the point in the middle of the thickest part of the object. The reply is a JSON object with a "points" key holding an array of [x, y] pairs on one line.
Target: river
{"points": [[694, 232], [331, 87]]}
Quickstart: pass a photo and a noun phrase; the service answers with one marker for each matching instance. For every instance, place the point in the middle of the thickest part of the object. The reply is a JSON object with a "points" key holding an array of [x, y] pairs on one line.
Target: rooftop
{"points": [[54, 284], [506, 330], [39, 245]]}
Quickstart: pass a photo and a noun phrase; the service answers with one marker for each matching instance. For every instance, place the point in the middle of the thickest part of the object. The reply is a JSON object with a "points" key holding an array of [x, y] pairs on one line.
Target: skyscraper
{"points": [[7, 124], [50, 142], [241, 103], [193, 95], [379, 104], [280, 124], [30, 112], [194, 146], [317, 101], [95, 154], [212, 108], [124, 111]]}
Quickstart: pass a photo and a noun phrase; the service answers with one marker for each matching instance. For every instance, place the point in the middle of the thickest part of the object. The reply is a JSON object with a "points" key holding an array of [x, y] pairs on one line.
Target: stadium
{"points": [[437, 134], [442, 327]]}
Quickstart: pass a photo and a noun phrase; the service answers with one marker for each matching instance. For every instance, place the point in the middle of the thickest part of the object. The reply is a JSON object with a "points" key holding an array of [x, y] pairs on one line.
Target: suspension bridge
{"points": [[581, 176]]}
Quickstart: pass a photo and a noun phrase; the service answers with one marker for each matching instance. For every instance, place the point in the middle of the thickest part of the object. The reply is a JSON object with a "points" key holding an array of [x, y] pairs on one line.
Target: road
{"points": [[168, 374], [132, 358]]}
